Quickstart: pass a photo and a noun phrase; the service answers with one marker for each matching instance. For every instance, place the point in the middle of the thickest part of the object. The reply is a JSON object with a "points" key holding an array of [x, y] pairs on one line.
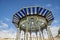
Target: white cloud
{"points": [[4, 34], [54, 31], [57, 7], [7, 19], [3, 25], [48, 5], [55, 21], [7, 34]]}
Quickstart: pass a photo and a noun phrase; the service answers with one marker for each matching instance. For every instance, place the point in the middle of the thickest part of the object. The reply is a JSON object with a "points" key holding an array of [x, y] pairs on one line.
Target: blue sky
{"points": [[9, 7]]}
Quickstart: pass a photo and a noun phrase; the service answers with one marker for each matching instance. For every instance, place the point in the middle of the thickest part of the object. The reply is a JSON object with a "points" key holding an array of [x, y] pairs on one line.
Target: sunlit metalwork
{"points": [[33, 19]]}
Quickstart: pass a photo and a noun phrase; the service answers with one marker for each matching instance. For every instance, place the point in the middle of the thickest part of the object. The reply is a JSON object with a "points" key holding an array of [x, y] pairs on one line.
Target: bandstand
{"points": [[33, 20]]}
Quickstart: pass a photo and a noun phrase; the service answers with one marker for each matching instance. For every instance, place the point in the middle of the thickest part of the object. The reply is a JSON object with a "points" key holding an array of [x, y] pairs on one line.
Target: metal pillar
{"points": [[50, 37], [24, 35], [40, 38], [18, 34], [42, 35], [36, 35], [30, 36]]}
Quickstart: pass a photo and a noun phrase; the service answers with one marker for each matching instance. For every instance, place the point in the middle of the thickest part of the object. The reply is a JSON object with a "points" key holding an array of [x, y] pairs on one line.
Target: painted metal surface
{"points": [[33, 11]]}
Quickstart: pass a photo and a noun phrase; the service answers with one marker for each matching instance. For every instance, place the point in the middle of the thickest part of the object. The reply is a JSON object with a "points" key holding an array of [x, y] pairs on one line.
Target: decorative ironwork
{"points": [[33, 19]]}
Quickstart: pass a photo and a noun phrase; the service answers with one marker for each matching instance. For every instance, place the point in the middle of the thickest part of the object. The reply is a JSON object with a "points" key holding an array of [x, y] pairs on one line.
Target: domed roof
{"points": [[31, 11]]}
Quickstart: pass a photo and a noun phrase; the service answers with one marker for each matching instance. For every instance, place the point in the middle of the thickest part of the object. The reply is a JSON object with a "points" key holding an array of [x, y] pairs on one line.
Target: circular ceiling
{"points": [[33, 23]]}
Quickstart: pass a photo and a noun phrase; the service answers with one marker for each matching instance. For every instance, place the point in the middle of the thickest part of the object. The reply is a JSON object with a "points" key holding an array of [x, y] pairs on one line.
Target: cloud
{"points": [[48, 5], [57, 7], [54, 30], [55, 21], [6, 34], [3, 25], [7, 19], [10, 33]]}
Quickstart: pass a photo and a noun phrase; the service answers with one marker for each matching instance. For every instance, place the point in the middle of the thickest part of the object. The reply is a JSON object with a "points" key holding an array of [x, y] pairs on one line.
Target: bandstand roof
{"points": [[31, 11]]}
